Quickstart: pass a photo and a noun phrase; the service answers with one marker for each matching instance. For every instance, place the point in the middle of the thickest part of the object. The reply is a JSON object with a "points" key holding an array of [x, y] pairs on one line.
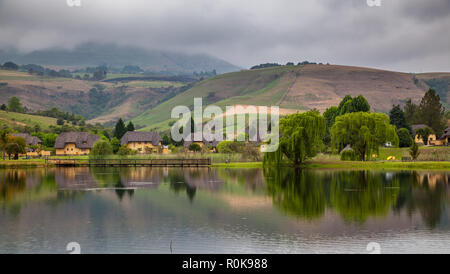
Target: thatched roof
{"points": [[80, 139], [141, 136], [446, 133], [204, 141], [30, 140], [416, 127]]}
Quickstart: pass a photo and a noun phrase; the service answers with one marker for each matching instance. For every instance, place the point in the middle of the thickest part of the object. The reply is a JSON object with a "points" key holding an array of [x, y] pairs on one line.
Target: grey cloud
{"points": [[405, 35], [427, 10]]}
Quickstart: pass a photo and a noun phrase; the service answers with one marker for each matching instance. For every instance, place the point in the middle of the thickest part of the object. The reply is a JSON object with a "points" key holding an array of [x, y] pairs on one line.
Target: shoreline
{"points": [[422, 165], [392, 165]]}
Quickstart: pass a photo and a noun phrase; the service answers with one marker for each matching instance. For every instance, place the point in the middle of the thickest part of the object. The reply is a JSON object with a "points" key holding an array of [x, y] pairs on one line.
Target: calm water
{"points": [[143, 210]]}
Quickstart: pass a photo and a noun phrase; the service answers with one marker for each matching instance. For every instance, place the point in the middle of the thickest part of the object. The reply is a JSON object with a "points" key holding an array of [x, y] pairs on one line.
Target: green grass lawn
{"points": [[239, 165], [215, 157], [153, 84], [419, 165], [353, 165], [439, 153], [22, 163], [110, 76], [17, 75], [6, 75], [14, 118]]}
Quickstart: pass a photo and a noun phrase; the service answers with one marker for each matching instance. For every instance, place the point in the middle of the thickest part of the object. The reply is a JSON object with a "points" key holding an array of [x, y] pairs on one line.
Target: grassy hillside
{"points": [[149, 103], [107, 103], [439, 82], [12, 119], [295, 88]]}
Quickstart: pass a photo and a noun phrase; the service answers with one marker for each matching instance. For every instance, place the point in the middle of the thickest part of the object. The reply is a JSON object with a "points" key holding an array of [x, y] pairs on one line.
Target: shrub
{"points": [[101, 148], [195, 147], [115, 144], [414, 151], [349, 155], [125, 150], [404, 138], [230, 147]]}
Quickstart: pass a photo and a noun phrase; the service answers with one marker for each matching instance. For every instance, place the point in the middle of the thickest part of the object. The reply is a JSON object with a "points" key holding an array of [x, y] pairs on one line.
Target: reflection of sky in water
{"points": [[223, 211]]}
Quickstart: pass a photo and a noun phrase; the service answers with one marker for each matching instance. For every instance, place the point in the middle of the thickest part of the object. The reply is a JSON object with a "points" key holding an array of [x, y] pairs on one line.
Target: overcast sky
{"points": [[403, 35]]}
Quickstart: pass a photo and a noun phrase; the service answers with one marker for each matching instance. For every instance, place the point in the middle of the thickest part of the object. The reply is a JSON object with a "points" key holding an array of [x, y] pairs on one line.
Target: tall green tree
{"points": [[359, 103], [404, 138], [14, 105], [363, 131], [3, 141], [347, 105], [344, 100], [10, 66], [411, 112], [115, 144], [350, 105], [398, 119], [130, 126], [329, 115], [301, 138], [120, 129], [166, 140], [431, 112], [15, 146]]}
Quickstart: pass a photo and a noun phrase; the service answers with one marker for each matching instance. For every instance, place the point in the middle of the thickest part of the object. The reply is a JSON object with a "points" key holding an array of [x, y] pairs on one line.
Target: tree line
{"points": [[352, 128]]}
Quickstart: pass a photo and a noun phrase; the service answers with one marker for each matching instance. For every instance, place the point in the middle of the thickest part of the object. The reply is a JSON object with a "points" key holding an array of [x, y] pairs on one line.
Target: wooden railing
{"points": [[131, 162]]}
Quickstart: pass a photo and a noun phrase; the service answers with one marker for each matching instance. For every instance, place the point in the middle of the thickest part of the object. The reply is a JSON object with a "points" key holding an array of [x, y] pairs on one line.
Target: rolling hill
{"points": [[12, 119], [299, 88], [100, 101], [148, 103]]}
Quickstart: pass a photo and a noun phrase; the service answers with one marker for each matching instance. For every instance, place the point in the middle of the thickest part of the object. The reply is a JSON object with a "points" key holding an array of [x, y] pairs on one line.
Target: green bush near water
{"points": [[349, 155]]}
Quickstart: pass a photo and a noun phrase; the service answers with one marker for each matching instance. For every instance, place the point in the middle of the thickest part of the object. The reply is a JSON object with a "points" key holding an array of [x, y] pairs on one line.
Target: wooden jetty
{"points": [[131, 162]]}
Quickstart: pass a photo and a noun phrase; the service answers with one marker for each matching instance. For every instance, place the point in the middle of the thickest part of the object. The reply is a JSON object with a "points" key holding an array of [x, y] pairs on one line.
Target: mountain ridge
{"points": [[94, 54]]}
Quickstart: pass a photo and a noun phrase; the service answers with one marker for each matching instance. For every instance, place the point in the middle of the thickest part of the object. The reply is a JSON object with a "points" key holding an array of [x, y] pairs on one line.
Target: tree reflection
{"points": [[358, 195], [179, 183], [297, 192], [431, 197], [12, 182]]}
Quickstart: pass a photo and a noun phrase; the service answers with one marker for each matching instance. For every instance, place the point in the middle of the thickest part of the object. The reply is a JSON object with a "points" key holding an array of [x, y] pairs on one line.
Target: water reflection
{"points": [[358, 195], [355, 196]]}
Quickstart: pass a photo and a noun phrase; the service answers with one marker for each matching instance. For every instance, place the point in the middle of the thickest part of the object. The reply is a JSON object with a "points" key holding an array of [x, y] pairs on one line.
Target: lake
{"points": [[218, 210]]}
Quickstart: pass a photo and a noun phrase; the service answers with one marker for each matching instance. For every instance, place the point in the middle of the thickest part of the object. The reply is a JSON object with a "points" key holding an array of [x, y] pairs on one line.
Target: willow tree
{"points": [[301, 136], [364, 132]]}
